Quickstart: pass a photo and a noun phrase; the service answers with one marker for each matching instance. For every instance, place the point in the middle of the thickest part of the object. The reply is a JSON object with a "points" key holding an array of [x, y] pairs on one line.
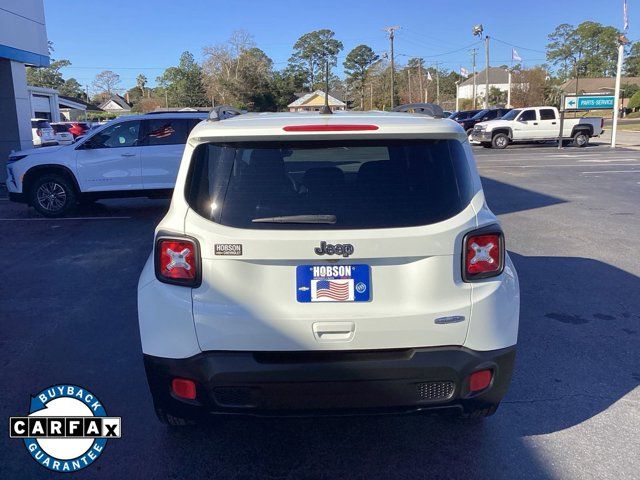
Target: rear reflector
{"points": [[479, 380], [328, 128], [184, 388]]}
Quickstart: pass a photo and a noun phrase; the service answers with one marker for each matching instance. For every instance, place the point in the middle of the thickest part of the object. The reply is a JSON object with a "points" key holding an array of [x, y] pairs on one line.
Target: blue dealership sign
{"points": [[589, 102]]}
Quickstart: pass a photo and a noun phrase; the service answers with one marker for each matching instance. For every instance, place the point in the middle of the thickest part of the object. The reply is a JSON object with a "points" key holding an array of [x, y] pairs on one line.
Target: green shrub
{"points": [[634, 101]]}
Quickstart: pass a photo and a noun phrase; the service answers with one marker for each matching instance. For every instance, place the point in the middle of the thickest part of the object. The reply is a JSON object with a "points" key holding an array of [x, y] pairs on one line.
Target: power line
{"points": [[517, 46]]}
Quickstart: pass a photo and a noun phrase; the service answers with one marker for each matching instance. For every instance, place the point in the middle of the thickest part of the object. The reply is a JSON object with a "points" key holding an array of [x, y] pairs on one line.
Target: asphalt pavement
{"points": [[571, 217]]}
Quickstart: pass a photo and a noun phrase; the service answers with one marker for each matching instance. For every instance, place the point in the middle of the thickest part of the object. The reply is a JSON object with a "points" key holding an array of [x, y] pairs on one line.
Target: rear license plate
{"points": [[333, 283]]}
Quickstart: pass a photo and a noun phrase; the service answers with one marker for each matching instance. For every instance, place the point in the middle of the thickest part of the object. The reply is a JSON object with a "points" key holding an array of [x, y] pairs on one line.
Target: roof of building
{"points": [[69, 101], [269, 124], [496, 76], [117, 99], [597, 84], [307, 98]]}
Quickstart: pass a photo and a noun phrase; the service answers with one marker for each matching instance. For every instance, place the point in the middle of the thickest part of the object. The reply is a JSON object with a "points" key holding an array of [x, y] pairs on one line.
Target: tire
{"points": [[469, 132], [52, 195], [479, 413], [172, 420], [500, 141], [580, 139]]}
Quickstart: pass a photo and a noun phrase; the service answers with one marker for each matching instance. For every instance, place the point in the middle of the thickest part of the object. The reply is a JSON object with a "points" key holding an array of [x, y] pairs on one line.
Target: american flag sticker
{"points": [[332, 290]]}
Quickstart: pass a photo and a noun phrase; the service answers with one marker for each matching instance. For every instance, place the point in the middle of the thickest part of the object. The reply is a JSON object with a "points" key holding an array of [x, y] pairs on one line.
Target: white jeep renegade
{"points": [[321, 264]]}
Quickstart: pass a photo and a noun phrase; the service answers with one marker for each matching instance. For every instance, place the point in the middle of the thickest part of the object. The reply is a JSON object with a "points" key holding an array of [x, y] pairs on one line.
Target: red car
{"points": [[78, 128]]}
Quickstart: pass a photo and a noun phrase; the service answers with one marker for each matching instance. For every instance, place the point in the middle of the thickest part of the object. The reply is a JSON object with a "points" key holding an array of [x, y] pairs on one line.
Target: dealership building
{"points": [[23, 41]]}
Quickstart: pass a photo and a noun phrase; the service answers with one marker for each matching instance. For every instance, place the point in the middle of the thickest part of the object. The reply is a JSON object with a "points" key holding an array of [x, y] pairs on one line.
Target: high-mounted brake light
{"points": [[483, 255], [177, 261], [329, 128]]}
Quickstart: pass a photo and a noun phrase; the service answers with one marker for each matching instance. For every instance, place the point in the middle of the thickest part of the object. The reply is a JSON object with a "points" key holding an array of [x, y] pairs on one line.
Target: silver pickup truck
{"points": [[535, 124]]}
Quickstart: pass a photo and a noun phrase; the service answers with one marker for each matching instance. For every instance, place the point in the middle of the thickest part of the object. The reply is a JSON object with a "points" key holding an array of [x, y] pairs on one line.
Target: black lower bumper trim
{"points": [[17, 197], [311, 383]]}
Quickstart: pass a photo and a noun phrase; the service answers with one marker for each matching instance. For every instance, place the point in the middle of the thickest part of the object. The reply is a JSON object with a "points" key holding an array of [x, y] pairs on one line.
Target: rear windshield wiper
{"points": [[298, 219]]}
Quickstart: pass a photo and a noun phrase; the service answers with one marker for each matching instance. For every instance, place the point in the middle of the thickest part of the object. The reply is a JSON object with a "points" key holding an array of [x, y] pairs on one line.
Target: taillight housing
{"points": [[483, 253], [38, 132], [177, 261]]}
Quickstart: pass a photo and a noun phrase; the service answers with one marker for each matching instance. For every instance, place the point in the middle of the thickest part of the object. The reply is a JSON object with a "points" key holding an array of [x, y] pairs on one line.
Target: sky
{"points": [[145, 36]]}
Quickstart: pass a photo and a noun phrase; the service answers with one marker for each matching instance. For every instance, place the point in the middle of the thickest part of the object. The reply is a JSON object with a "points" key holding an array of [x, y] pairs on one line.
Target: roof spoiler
{"points": [[425, 108], [222, 112]]}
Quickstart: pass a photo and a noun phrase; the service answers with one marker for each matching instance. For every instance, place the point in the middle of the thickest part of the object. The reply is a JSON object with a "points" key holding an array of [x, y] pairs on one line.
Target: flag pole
{"points": [[622, 41], [616, 98]]}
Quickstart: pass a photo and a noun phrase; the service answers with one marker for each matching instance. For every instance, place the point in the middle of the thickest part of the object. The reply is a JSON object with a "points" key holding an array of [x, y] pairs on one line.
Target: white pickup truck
{"points": [[535, 124]]}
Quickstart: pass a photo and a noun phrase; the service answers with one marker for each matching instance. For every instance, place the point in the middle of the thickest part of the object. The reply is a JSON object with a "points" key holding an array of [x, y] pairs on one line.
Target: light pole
{"points": [[622, 41], [477, 31]]}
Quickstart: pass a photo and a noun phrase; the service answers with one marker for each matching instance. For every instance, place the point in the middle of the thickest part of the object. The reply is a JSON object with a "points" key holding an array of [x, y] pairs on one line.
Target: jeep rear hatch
{"points": [[389, 214]]}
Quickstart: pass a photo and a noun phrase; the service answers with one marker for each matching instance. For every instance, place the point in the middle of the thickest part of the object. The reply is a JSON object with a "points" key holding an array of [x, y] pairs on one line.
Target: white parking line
{"points": [[564, 165], [614, 171], [59, 219]]}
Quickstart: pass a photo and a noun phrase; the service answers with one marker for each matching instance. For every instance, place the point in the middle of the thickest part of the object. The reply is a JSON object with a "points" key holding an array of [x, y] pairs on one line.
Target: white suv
{"points": [[135, 155], [42, 133], [328, 263]]}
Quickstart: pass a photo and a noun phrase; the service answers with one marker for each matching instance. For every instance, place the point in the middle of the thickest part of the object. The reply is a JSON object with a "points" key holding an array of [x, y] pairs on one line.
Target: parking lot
{"points": [[572, 225]]}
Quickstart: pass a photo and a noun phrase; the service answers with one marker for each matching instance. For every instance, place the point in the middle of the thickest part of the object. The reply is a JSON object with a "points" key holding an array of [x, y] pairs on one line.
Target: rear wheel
{"points": [[580, 139], [500, 141], [52, 195]]}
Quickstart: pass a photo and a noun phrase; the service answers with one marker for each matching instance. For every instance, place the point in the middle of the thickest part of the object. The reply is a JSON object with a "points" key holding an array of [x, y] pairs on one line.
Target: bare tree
{"points": [[240, 41], [106, 81]]}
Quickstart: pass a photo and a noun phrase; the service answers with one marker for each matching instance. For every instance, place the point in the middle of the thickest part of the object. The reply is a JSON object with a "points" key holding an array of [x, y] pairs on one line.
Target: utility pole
{"points": [[409, 83], [437, 85], [421, 87], [326, 109], [486, 72], [371, 94], [391, 32], [474, 51]]}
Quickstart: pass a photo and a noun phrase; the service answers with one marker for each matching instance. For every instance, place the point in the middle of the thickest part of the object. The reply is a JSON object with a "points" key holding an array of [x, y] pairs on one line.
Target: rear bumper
{"points": [[317, 383]]}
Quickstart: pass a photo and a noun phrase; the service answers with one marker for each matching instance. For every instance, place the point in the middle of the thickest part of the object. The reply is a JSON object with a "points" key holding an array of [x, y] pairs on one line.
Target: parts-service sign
{"points": [[67, 428]]}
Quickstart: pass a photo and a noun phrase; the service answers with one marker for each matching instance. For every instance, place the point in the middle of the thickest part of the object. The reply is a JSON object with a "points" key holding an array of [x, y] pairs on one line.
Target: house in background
{"points": [[498, 78], [115, 104], [72, 108], [314, 101]]}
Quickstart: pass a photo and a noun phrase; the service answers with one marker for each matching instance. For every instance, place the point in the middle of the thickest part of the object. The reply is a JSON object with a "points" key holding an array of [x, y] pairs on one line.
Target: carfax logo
{"points": [[67, 428]]}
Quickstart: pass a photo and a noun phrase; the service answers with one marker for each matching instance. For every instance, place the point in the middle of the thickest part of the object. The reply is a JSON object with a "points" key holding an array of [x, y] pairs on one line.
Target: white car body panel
{"points": [[104, 169], [248, 303], [159, 165]]}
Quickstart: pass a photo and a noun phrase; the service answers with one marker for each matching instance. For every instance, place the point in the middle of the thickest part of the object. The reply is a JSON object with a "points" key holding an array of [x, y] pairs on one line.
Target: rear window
{"points": [[42, 124], [329, 185], [60, 127], [167, 131]]}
